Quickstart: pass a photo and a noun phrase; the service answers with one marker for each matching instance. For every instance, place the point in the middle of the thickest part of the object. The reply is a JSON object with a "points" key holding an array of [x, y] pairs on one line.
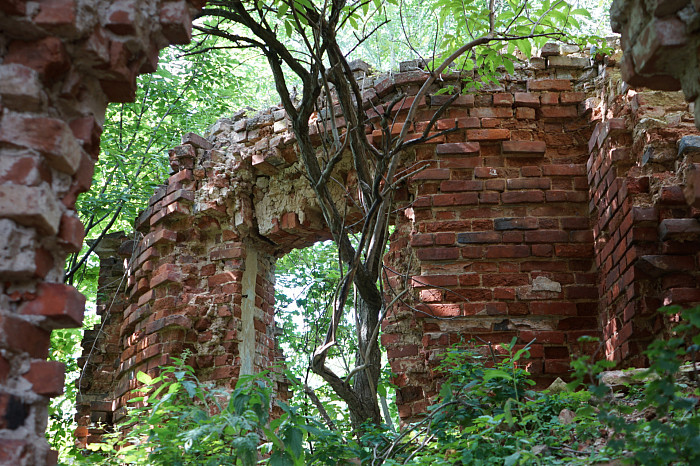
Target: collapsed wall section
{"points": [[512, 225], [495, 240]]}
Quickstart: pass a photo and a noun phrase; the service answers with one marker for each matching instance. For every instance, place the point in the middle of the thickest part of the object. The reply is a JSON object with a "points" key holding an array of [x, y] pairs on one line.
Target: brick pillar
{"points": [[101, 345], [643, 155], [60, 64]]}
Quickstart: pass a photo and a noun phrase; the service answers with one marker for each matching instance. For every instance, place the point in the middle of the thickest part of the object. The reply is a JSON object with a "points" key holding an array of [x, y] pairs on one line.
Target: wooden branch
{"points": [[319, 406]]}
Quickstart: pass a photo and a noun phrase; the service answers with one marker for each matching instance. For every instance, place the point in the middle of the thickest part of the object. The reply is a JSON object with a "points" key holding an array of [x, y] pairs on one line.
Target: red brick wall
{"points": [[644, 202], [537, 218], [496, 237], [61, 62]]}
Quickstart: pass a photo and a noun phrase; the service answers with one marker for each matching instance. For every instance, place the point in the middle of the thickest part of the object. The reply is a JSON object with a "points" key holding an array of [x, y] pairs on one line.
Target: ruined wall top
{"points": [[255, 151], [660, 40]]}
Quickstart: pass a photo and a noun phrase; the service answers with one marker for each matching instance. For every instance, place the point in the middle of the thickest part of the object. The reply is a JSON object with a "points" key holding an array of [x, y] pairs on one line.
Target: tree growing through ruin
{"points": [[301, 39]]}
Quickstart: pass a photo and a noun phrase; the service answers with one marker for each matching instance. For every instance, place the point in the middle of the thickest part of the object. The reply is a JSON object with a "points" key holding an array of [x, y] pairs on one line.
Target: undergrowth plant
{"points": [[659, 423], [491, 416], [486, 413], [180, 420]]}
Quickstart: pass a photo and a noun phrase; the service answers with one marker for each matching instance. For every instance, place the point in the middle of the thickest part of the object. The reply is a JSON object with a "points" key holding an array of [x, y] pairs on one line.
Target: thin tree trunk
{"points": [[365, 383]]}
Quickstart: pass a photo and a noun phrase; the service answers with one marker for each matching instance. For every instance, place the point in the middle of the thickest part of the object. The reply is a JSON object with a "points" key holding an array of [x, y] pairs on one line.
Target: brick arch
{"points": [[61, 62], [492, 232]]}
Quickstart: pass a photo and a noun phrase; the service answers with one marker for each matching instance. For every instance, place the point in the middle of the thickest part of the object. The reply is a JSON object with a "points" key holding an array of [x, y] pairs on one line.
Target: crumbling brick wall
{"points": [[643, 175], [61, 62], [520, 223], [496, 236], [660, 40]]}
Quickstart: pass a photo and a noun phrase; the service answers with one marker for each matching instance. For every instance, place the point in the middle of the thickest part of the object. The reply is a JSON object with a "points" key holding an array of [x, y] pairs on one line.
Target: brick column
{"points": [[61, 62]]}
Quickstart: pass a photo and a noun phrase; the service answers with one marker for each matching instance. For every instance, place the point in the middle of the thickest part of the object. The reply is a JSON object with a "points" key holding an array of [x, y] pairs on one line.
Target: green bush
{"points": [[486, 413], [657, 424], [182, 421], [491, 416]]}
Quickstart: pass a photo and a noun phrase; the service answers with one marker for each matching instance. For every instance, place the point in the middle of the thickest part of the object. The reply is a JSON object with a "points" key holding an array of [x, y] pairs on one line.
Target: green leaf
{"points": [[525, 47], [507, 412], [293, 439], [581, 12], [512, 460], [271, 436], [144, 378], [281, 458], [490, 374]]}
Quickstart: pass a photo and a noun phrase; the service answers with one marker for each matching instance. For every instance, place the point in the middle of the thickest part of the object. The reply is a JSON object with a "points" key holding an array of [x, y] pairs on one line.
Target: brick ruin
{"points": [[563, 205], [661, 44], [566, 204]]}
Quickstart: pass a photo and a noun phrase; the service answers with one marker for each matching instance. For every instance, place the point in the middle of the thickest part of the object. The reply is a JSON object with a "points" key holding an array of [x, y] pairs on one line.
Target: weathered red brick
{"points": [[437, 254], [46, 377], [13, 451], [691, 189], [682, 296], [549, 85], [176, 22], [455, 199], [432, 174], [47, 56], [557, 308], [4, 369], [20, 335], [166, 274], [24, 170], [549, 98], [491, 112], [568, 111], [503, 99], [88, 131], [572, 97], [458, 148], [71, 233], [546, 236], [487, 134], [57, 16], [62, 305], [468, 122], [520, 197], [435, 280], [51, 137], [510, 251], [524, 113], [31, 206], [523, 148], [422, 240], [527, 99], [570, 169], [121, 17], [20, 88]]}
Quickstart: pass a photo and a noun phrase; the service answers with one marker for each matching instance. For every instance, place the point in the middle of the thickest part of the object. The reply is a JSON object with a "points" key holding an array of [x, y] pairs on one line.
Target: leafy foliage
{"points": [[189, 92], [659, 424], [486, 414], [180, 420]]}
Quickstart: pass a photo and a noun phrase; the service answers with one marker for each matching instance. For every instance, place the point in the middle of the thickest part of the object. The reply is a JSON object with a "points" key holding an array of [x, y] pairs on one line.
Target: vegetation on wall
{"points": [[301, 41], [486, 412]]}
